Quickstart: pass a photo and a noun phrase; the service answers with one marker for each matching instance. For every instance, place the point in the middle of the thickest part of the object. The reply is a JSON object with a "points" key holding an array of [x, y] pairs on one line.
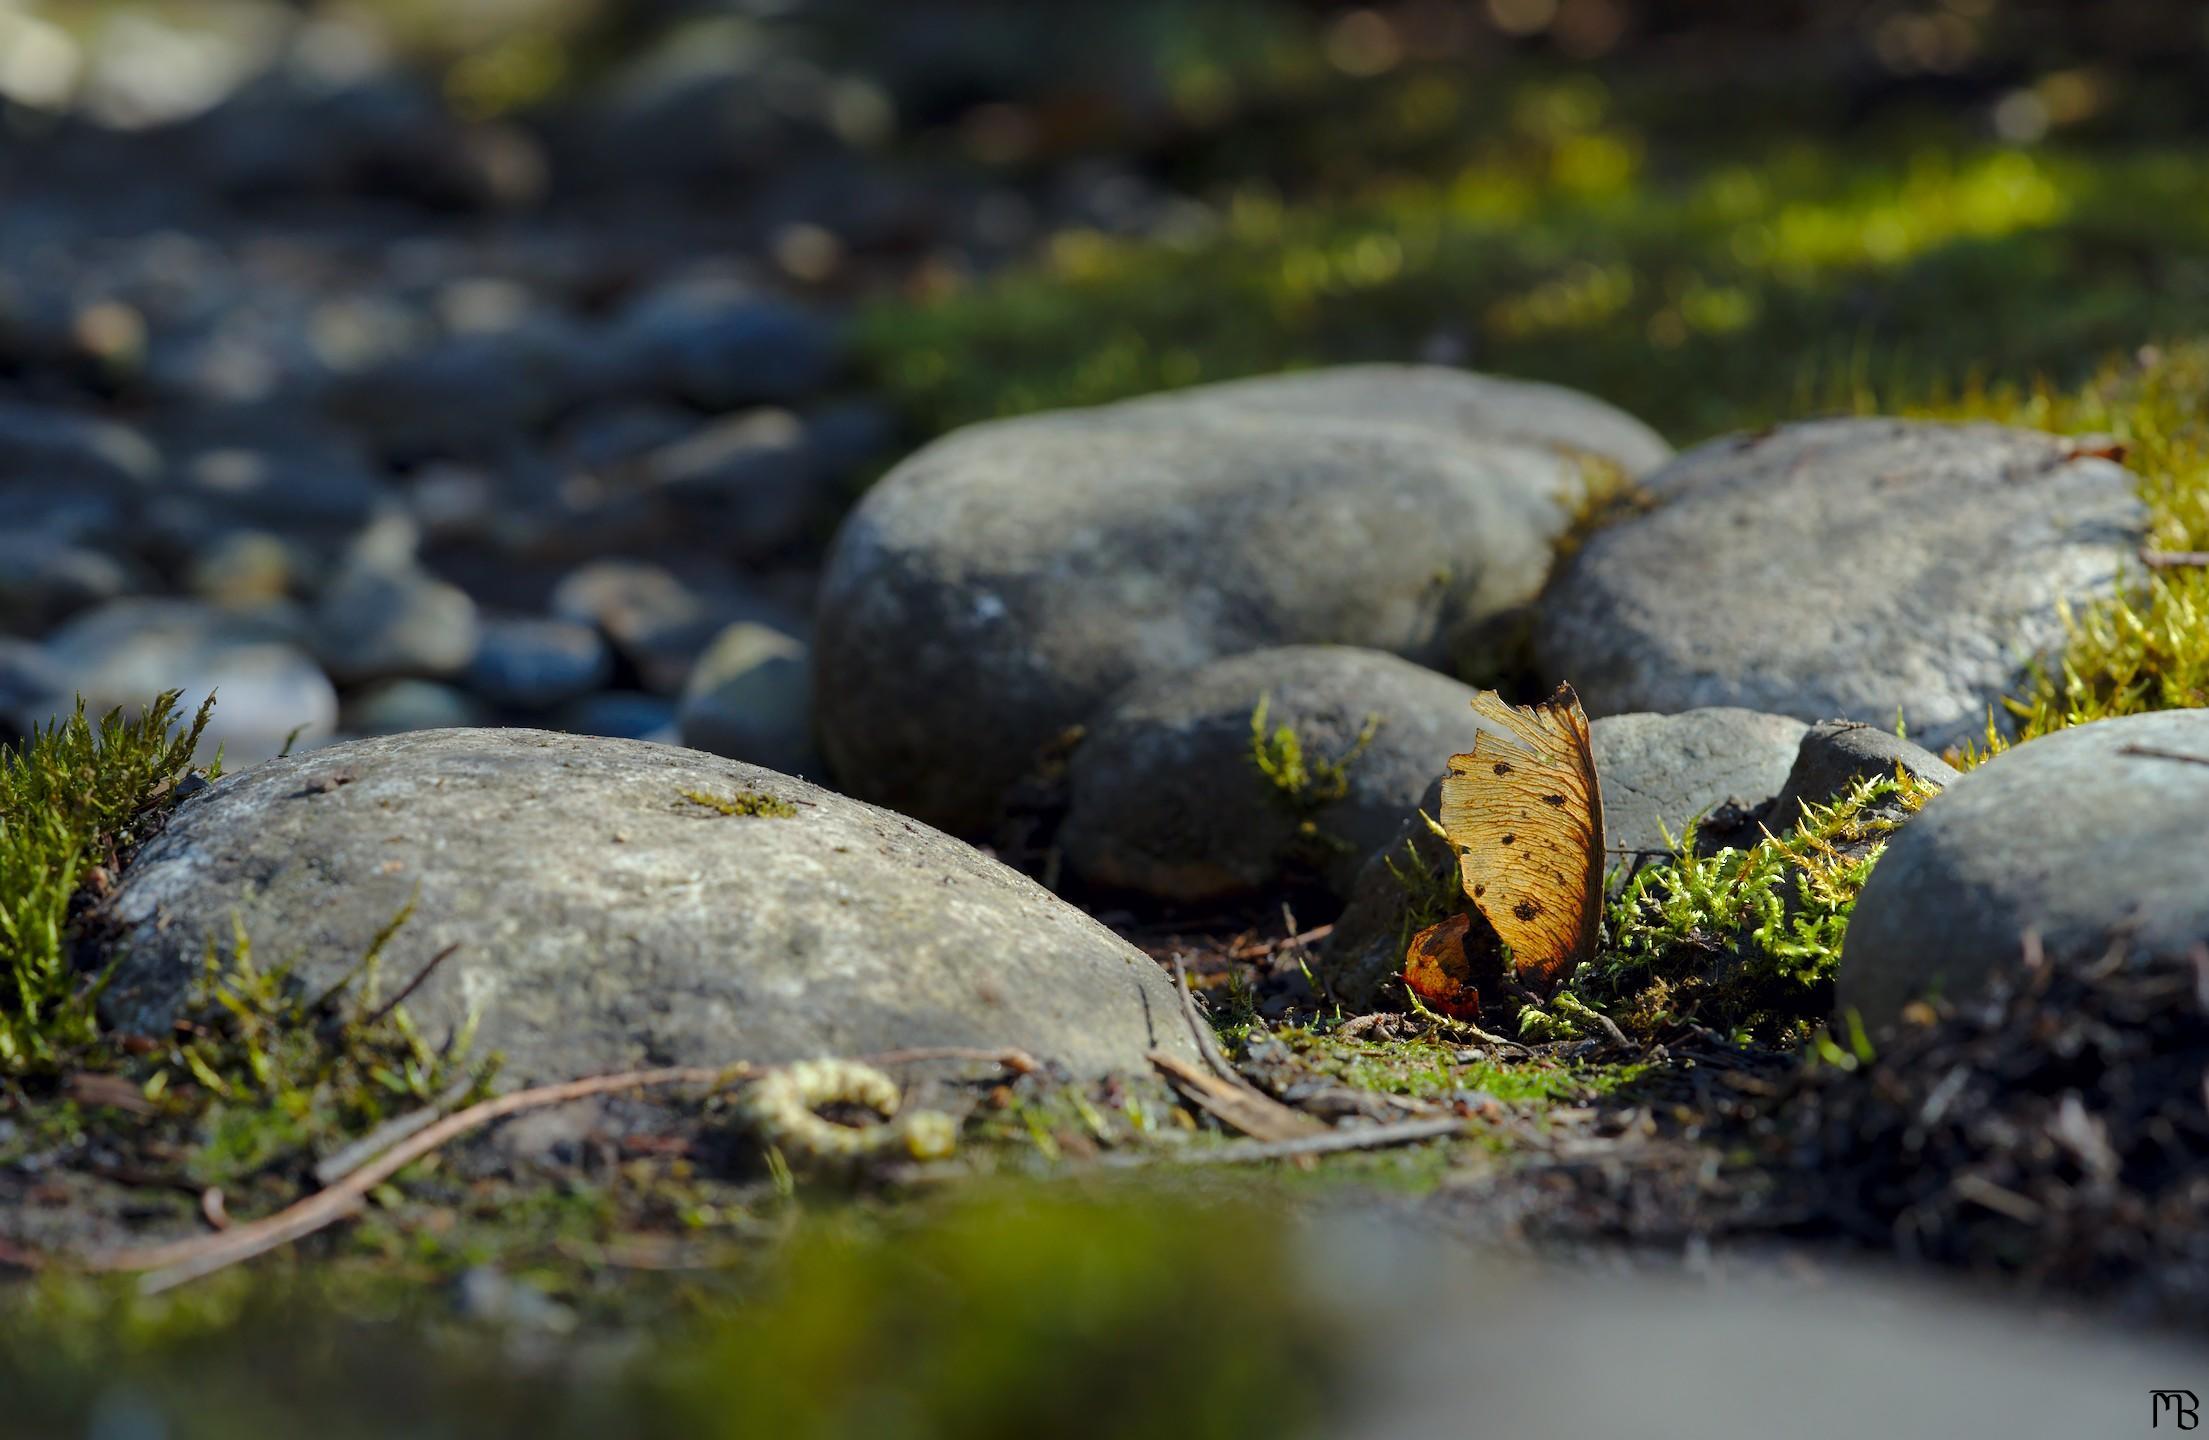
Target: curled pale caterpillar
{"points": [[782, 1104]]}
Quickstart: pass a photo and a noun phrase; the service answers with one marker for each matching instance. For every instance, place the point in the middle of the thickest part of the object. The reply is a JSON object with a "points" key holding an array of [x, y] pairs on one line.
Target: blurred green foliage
{"points": [[1702, 294], [1006, 1313]]}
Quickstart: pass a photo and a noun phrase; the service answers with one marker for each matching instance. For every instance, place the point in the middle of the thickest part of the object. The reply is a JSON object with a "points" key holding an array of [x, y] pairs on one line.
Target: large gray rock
{"points": [[1837, 754], [1166, 799], [1440, 400], [1659, 774], [1843, 567], [376, 620], [2087, 838], [751, 698], [999, 585], [128, 651], [604, 920]]}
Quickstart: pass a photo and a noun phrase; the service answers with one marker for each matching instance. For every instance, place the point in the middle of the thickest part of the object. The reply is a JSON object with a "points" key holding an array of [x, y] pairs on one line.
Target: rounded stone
{"points": [[1166, 797], [603, 920], [750, 697], [392, 707], [1838, 754], [534, 664], [376, 621], [1659, 773], [43, 582], [999, 585], [717, 342], [621, 715], [1440, 400], [2089, 839], [128, 651], [1867, 568]]}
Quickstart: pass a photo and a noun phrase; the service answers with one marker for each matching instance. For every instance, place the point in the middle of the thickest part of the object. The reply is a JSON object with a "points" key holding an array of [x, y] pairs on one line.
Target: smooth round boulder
{"points": [[750, 697], [1838, 754], [125, 652], [999, 585], [1659, 773], [1441, 400], [1868, 568], [607, 913], [2089, 839], [1166, 798]]}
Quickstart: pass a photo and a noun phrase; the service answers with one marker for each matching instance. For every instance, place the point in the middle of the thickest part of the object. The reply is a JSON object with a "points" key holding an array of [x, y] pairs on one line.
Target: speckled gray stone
{"points": [[1842, 567], [128, 651], [1659, 772], [1002, 583], [2085, 837], [1441, 400], [1166, 800], [605, 921], [1836, 754]]}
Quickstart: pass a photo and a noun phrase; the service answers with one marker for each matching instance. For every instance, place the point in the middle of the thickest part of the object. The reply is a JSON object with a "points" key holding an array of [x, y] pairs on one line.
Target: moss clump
{"points": [[268, 1078], [1432, 1068], [73, 799], [1306, 783], [749, 803], [1744, 939]]}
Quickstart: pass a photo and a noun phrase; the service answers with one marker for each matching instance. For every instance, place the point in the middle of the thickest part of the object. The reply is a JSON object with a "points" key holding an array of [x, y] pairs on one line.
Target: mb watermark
{"points": [[2180, 1405]]}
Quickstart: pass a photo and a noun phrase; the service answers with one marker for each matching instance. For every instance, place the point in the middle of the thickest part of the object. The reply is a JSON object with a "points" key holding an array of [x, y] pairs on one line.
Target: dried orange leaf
{"points": [[1526, 814]]}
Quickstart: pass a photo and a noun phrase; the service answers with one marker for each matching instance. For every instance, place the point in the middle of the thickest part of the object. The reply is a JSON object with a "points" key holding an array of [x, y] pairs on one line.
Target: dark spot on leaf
{"points": [[1479, 890], [1503, 767], [1508, 839], [1526, 909], [1557, 800]]}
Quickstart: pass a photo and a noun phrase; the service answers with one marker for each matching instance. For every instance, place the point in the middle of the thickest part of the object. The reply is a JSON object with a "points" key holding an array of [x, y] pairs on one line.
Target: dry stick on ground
{"points": [[1241, 1104], [2175, 559], [2155, 753], [412, 985], [1200, 1029], [175, 1263], [1326, 1142]]}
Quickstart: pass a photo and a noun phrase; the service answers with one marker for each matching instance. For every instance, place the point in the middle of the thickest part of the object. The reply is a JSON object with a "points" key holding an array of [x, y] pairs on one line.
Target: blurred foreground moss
{"points": [[1014, 1312]]}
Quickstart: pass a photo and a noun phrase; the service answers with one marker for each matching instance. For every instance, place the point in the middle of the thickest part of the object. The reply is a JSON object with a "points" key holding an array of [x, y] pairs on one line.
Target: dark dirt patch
{"points": [[2053, 1135]]}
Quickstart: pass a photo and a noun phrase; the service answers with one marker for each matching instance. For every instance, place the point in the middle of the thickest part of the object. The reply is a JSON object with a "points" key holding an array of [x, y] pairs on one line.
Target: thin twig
{"points": [[1260, 949], [1237, 1102], [412, 985], [173, 1264], [2154, 753], [1348, 1137], [1020, 1062], [333, 1168], [1208, 1043], [2174, 559]]}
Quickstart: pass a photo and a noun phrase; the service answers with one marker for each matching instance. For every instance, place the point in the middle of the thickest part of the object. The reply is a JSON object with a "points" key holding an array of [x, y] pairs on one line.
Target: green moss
{"points": [[1306, 783], [73, 798], [1013, 1311], [744, 802], [1429, 1068], [1704, 287], [1744, 939], [266, 1076]]}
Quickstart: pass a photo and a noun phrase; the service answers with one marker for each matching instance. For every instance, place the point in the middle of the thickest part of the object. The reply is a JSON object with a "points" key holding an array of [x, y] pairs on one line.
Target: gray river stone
{"points": [[1865, 568], [998, 586], [603, 920], [2088, 838], [1166, 798]]}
